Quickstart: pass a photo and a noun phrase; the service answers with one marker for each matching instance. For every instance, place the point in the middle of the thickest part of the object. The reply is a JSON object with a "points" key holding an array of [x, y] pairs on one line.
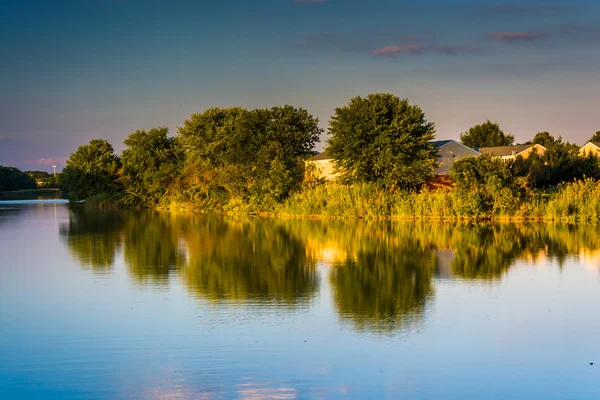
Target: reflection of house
{"points": [[448, 152], [512, 152], [590, 149], [444, 260]]}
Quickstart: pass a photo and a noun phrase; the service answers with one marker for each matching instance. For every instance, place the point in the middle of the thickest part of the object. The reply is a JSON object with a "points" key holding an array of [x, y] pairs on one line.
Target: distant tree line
{"points": [[12, 178], [235, 159]]}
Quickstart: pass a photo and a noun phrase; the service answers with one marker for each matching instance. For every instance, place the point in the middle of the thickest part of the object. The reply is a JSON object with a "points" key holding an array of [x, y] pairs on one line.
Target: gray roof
{"points": [[440, 143], [321, 156], [505, 150], [597, 144]]}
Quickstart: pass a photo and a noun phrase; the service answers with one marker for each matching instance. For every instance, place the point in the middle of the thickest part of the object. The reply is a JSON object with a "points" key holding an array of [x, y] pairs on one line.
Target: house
{"points": [[324, 165], [448, 152], [590, 149], [511, 152]]}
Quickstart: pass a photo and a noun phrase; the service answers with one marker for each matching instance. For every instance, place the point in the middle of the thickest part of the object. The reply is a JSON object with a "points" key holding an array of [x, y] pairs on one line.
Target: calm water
{"points": [[115, 305]]}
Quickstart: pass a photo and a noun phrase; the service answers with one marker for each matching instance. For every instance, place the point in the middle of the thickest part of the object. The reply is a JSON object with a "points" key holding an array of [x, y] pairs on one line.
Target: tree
{"points": [[150, 163], [487, 186], [595, 137], [559, 163], [92, 170], [544, 138], [382, 139], [238, 153], [487, 134], [12, 178]]}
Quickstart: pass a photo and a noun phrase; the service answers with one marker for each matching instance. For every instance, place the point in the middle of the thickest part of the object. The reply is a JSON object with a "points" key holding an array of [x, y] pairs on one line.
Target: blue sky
{"points": [[72, 71]]}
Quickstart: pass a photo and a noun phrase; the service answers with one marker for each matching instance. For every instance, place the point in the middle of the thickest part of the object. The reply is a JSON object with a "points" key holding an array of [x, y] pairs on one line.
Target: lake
{"points": [[140, 305]]}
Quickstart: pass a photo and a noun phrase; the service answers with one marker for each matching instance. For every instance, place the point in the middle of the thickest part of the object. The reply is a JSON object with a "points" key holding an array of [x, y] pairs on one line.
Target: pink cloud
{"points": [[518, 36], [413, 49], [402, 49], [48, 161]]}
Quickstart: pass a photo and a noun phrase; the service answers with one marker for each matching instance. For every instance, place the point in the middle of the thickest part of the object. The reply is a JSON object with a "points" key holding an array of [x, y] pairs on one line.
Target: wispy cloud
{"points": [[12, 142], [401, 49], [331, 42], [415, 49], [581, 32], [533, 9], [48, 161], [310, 1], [325, 36], [518, 36], [523, 70]]}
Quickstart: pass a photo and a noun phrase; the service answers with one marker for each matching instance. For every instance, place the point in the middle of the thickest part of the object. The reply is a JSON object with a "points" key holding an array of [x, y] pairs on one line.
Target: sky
{"points": [[72, 71]]}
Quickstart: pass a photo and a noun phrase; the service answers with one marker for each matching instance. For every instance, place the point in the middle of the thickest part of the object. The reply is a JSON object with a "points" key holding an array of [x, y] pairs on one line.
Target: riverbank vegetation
{"points": [[239, 161]]}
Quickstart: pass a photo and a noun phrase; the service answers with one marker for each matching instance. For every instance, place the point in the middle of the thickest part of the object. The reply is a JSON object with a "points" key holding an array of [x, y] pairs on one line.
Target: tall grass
{"points": [[575, 201]]}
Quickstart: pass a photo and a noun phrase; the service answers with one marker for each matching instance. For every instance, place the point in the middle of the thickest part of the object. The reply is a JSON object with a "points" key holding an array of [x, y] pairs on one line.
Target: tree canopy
{"points": [[544, 139], [381, 138], [92, 170], [150, 163], [487, 134], [244, 154], [12, 178], [595, 137]]}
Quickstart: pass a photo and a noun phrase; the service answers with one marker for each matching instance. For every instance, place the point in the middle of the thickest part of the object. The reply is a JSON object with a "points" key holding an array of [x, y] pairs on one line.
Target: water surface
{"points": [[123, 305]]}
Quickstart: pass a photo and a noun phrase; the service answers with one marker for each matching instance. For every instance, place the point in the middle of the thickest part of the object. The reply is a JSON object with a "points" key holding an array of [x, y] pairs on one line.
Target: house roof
{"points": [[321, 156], [597, 144], [506, 150], [440, 143]]}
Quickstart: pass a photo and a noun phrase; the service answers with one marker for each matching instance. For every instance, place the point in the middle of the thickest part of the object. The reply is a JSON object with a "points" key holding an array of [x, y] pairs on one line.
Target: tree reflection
{"points": [[384, 290], [93, 237], [381, 273], [251, 259], [151, 247]]}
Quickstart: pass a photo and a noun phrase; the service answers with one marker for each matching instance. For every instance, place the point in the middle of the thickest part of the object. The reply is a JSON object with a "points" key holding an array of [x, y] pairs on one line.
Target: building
{"points": [[448, 152], [512, 152], [590, 149], [324, 166]]}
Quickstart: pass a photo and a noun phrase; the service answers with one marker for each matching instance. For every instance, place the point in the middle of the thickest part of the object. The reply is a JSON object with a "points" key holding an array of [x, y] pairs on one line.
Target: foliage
{"points": [[487, 134], [595, 137], [43, 179], [39, 174], [92, 170], [487, 186], [382, 139], [544, 139], [150, 163], [12, 178], [256, 156]]}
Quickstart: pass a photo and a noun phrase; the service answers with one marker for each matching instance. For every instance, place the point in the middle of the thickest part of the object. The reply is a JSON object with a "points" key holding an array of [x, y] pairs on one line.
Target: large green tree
{"points": [[595, 137], [248, 154], [150, 163], [92, 170], [381, 138], [487, 134]]}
